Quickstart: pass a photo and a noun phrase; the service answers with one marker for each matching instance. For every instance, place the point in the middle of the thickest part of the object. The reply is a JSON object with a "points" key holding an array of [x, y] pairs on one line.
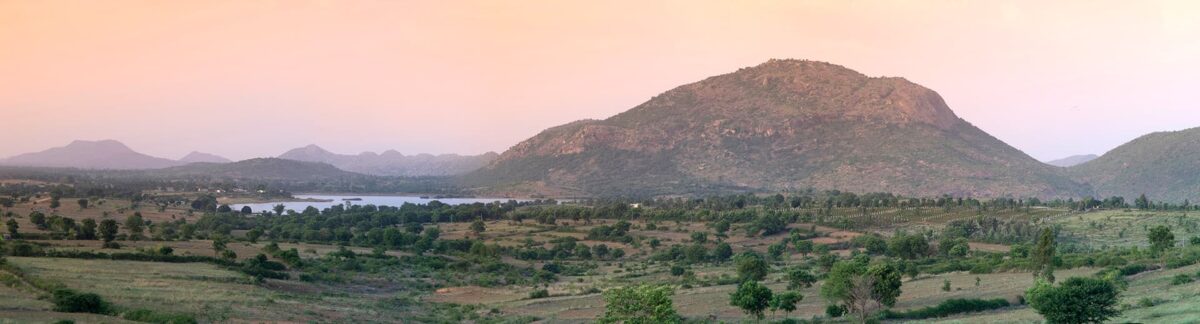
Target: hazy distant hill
{"points": [[785, 124], [1164, 166], [196, 157], [392, 163], [105, 154], [261, 168], [1073, 160]]}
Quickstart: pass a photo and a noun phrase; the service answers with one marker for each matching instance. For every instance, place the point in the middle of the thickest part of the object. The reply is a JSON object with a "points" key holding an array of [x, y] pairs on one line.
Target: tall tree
{"points": [[135, 225], [862, 288], [108, 231], [1043, 255]]}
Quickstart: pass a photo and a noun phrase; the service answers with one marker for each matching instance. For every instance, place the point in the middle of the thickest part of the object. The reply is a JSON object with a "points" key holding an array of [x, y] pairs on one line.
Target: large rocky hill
{"points": [[1165, 166], [781, 125]]}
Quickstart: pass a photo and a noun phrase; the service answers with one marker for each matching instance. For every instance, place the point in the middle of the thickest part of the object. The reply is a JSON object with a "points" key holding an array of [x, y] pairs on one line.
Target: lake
{"points": [[394, 201]]}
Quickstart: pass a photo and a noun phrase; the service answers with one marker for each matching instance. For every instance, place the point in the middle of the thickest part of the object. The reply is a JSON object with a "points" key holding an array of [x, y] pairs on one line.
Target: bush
{"points": [[1136, 268], [1180, 279], [540, 293], [835, 311], [947, 308], [70, 301]]}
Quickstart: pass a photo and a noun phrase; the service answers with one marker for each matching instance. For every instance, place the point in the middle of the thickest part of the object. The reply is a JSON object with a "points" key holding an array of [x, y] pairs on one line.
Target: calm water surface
{"points": [[394, 201]]}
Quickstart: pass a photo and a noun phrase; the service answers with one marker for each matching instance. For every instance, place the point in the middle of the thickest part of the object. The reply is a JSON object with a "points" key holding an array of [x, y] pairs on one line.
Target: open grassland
{"points": [[202, 290], [1123, 228]]}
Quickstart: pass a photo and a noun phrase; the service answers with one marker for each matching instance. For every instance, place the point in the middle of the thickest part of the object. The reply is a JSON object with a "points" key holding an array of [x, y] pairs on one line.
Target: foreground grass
{"points": [[203, 290]]}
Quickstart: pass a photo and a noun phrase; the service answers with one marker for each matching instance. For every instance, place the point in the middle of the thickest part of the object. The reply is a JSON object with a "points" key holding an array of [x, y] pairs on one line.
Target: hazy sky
{"points": [[254, 78]]}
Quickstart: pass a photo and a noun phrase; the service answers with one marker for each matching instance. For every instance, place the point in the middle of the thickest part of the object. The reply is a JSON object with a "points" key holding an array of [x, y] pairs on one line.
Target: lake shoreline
{"points": [[303, 201]]}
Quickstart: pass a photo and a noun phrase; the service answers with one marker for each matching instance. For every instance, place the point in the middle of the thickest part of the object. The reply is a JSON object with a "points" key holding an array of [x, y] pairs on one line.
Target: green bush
{"points": [[1180, 279], [540, 293], [70, 301], [1136, 268], [947, 308], [835, 311]]}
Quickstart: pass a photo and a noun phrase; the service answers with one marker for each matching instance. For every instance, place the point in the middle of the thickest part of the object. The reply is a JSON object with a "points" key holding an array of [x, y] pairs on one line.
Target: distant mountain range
{"points": [[200, 157], [392, 163], [1073, 160], [113, 155], [105, 154], [260, 169], [781, 125]]}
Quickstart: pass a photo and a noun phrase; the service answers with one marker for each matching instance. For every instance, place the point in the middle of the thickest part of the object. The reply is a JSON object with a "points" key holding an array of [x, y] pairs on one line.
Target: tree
{"points": [[721, 227], [873, 244], [83, 203], [478, 227], [108, 230], [254, 234], [135, 225], [751, 266], [1076, 300], [800, 278], [861, 288], [775, 251], [1142, 202], [642, 304], [1161, 238], [786, 301], [723, 252], [279, 209], [804, 247], [600, 251], [12, 228], [54, 203], [752, 297], [908, 246], [1043, 255], [38, 219], [87, 231]]}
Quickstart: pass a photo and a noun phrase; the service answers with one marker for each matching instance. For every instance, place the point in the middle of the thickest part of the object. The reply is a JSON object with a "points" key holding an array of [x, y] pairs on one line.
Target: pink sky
{"points": [[254, 78]]}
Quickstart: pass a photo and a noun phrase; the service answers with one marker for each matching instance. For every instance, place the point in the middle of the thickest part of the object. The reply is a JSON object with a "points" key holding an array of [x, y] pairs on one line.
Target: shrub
{"points": [[947, 308], [1076, 300], [540, 293], [1180, 279], [70, 301], [835, 311], [1136, 268]]}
